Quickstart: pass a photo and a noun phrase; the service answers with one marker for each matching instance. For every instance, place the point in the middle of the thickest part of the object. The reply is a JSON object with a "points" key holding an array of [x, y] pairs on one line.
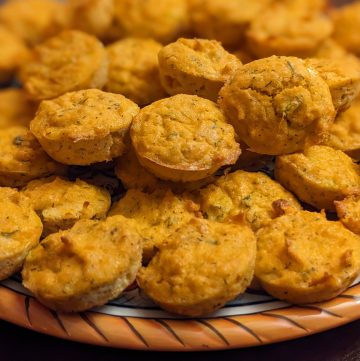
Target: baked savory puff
{"points": [[13, 53], [342, 79], [277, 105], [200, 267], [72, 60], [183, 138], [348, 211], [346, 21], [196, 66], [286, 29], [20, 230], [319, 175], [84, 127], [16, 108], [163, 20], [330, 49], [344, 134], [60, 203], [91, 16], [303, 258], [134, 70], [157, 215], [22, 159], [134, 176], [85, 266], [225, 21], [249, 194], [32, 20]]}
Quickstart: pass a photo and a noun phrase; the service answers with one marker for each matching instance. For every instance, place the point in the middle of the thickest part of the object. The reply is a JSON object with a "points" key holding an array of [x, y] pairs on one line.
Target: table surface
{"points": [[341, 344]]}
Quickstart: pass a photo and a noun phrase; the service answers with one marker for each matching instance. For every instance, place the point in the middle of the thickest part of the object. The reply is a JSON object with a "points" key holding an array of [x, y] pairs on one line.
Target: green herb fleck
{"points": [[291, 67], [18, 140]]}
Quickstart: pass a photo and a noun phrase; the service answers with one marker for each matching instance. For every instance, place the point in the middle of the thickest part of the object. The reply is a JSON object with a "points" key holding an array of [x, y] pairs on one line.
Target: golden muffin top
{"points": [[184, 132], [20, 227], [21, 156], [85, 114], [60, 202], [196, 66], [302, 255], [278, 105], [89, 255], [202, 261], [71, 60], [250, 194], [157, 214], [163, 20], [287, 29], [347, 25], [225, 21], [342, 79], [134, 70], [32, 20], [319, 175], [91, 16], [344, 134], [348, 211]]}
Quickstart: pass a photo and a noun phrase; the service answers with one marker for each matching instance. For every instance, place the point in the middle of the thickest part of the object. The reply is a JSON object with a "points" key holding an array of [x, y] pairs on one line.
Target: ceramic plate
{"points": [[134, 322]]}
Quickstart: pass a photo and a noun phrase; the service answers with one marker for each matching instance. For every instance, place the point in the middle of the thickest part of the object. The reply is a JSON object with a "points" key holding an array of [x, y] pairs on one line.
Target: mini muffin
{"points": [[330, 49], [84, 127], [85, 266], [134, 70], [346, 21], [225, 21], [282, 30], [348, 211], [342, 80], [32, 20], [69, 61], [201, 267], [319, 175], [163, 20], [61, 203], [344, 134], [277, 105], [304, 258], [16, 108], [20, 231], [22, 159], [133, 175], [244, 193], [196, 66], [13, 53], [91, 16], [183, 138], [316, 6], [157, 215]]}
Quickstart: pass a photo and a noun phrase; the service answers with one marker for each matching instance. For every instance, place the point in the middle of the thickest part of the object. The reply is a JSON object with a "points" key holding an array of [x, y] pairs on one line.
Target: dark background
{"points": [[341, 344]]}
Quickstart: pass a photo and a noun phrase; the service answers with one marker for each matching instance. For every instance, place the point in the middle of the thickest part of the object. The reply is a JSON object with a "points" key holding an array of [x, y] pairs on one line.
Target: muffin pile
{"points": [[232, 127]]}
